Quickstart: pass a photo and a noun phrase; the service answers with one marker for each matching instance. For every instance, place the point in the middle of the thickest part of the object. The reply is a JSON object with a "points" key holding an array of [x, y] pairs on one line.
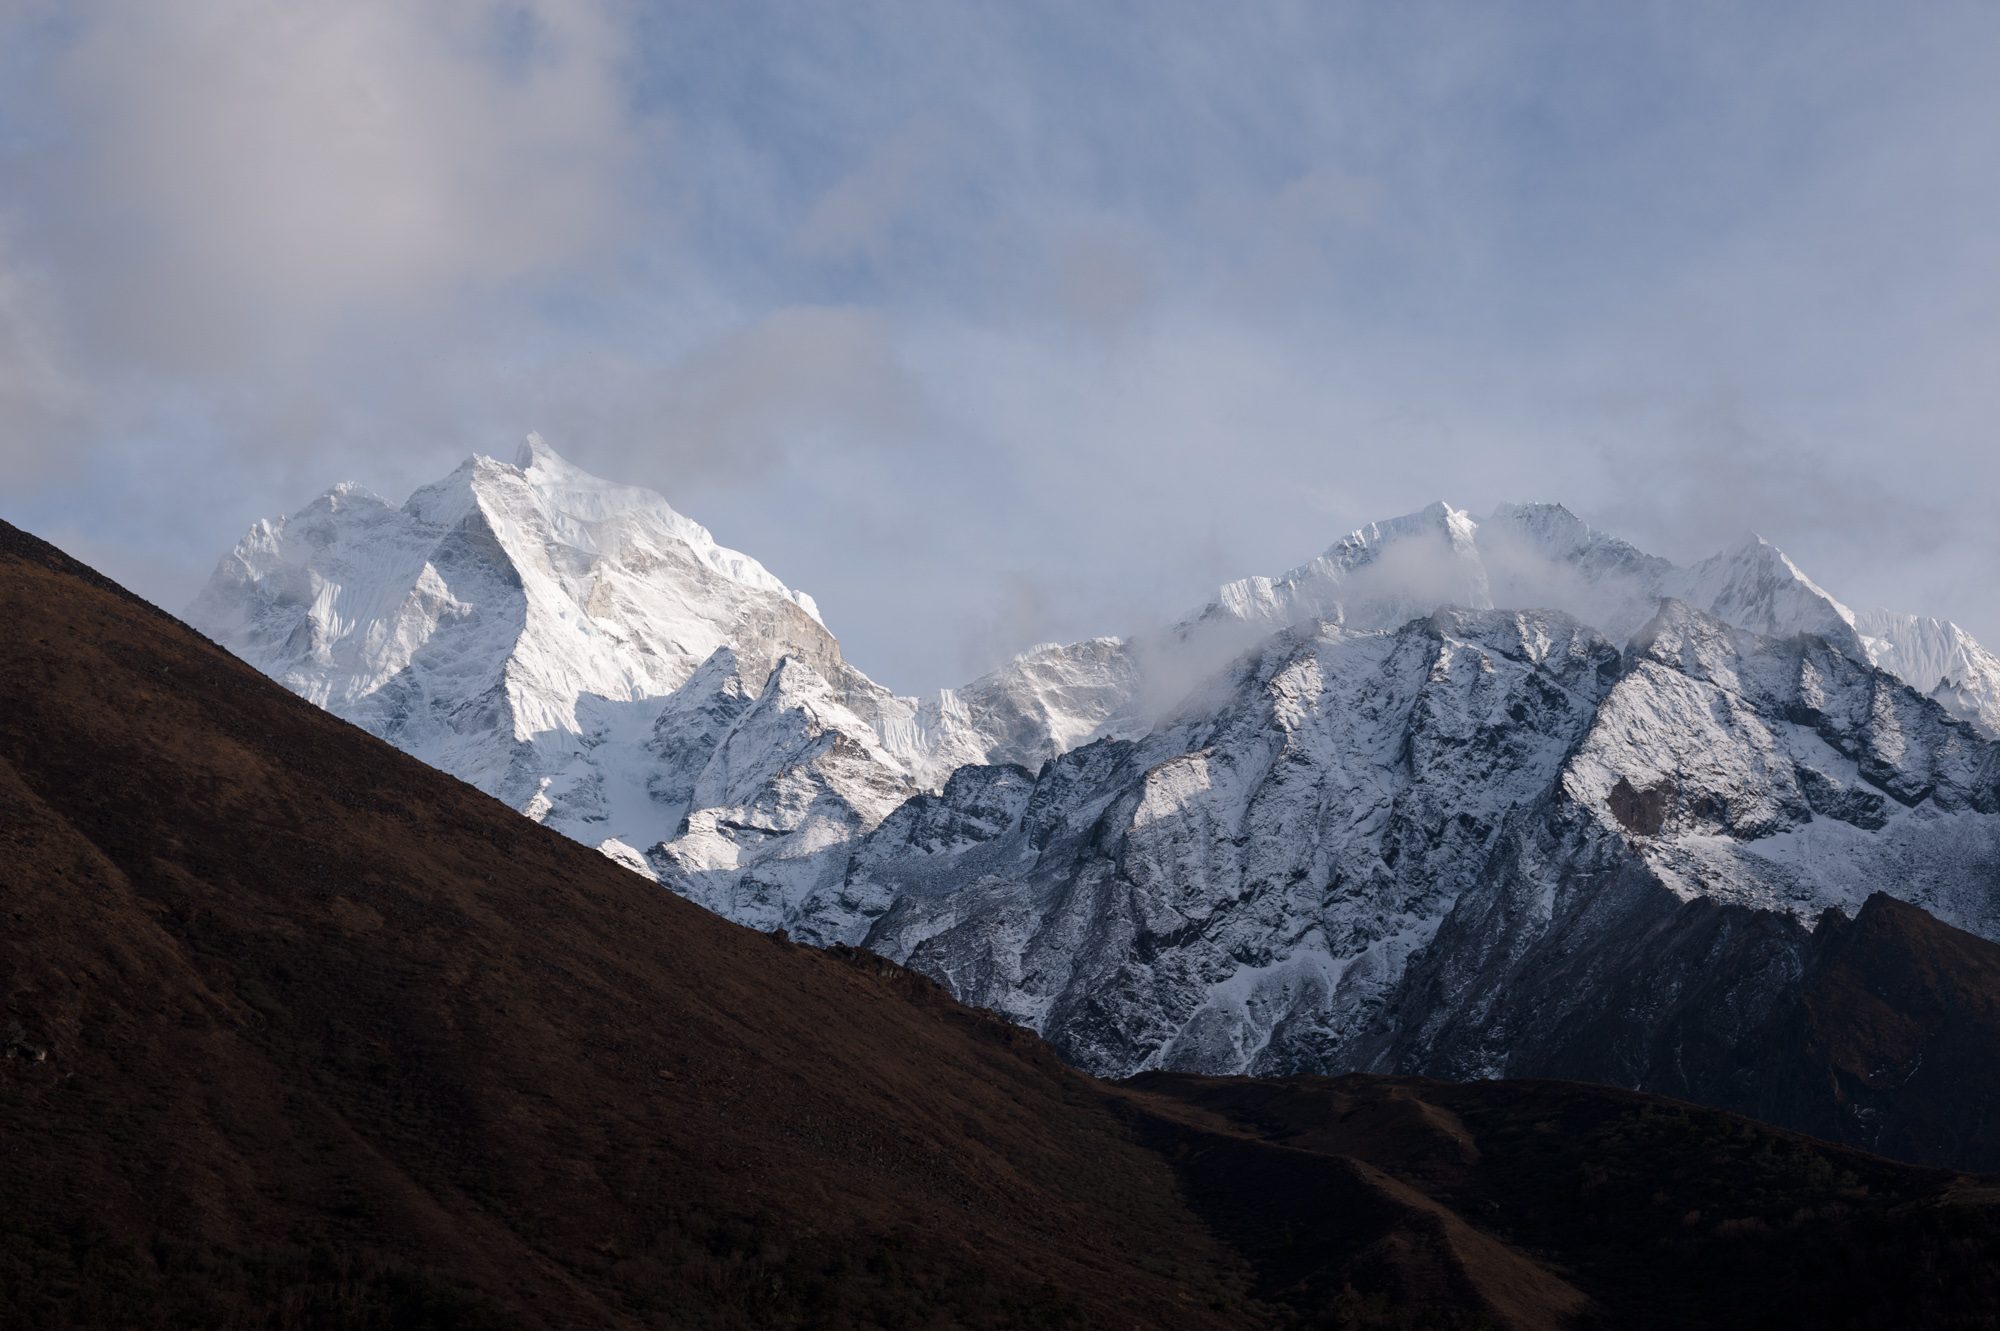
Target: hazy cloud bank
{"points": [[995, 323]]}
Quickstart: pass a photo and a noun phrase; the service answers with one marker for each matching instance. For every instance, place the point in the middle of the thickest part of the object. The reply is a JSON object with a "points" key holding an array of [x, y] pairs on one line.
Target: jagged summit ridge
{"points": [[1938, 657], [1543, 556], [532, 628], [585, 501], [519, 625], [552, 582]]}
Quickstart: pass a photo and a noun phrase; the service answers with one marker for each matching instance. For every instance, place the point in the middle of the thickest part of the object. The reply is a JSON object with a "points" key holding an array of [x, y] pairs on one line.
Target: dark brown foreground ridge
{"points": [[296, 1032]]}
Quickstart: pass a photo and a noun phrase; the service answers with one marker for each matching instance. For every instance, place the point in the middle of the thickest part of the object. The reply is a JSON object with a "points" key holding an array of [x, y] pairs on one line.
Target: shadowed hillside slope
{"points": [[1892, 1041], [1668, 1214], [292, 1015], [296, 1032]]}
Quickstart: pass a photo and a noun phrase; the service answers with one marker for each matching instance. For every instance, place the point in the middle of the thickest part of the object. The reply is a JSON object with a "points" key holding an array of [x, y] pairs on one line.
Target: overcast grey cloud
{"points": [[987, 323]]}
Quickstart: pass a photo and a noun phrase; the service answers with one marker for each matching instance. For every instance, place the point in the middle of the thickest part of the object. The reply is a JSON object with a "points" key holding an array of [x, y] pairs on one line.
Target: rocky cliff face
{"points": [[1888, 1042], [1245, 885], [1442, 849]]}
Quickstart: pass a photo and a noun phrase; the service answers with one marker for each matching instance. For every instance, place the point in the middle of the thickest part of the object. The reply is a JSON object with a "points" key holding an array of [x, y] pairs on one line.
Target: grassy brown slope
{"points": [[296, 995]]}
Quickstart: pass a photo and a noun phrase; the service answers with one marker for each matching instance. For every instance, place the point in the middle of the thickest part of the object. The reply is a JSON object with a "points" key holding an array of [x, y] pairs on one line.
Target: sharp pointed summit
{"points": [[504, 622], [1756, 585], [535, 451]]}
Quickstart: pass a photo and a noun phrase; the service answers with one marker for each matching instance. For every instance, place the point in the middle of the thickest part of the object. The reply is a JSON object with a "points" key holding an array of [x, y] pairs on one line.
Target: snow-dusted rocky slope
{"points": [[1730, 791], [1247, 888], [1354, 815], [1241, 887]]}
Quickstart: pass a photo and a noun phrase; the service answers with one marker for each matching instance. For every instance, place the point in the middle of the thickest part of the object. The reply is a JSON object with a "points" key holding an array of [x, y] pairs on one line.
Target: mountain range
{"points": [[296, 1031], [1505, 797]]}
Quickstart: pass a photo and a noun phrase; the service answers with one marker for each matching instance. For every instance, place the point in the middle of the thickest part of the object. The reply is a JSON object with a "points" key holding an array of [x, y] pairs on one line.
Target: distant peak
{"points": [[1536, 515], [1755, 549], [1752, 546], [347, 493], [535, 452], [1754, 552], [1439, 513], [1457, 523], [1557, 532], [1433, 517]]}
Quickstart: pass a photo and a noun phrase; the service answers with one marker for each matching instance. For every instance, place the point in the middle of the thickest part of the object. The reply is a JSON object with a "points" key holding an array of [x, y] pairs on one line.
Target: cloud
{"points": [[1326, 196], [1105, 279], [744, 402], [856, 216], [227, 175], [41, 399], [1038, 319]]}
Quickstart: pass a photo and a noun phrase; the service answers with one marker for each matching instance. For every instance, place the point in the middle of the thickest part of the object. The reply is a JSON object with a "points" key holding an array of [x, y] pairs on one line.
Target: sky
{"points": [[996, 323]]}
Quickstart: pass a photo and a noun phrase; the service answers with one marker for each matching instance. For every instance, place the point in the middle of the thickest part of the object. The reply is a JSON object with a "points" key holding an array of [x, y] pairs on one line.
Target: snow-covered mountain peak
{"points": [[350, 493], [535, 451], [1043, 702], [1554, 531], [568, 489], [493, 607], [1538, 555], [1754, 555], [1435, 519], [1376, 576], [1436, 527], [591, 513], [1554, 520], [1687, 639], [582, 650], [1937, 657], [1757, 586]]}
